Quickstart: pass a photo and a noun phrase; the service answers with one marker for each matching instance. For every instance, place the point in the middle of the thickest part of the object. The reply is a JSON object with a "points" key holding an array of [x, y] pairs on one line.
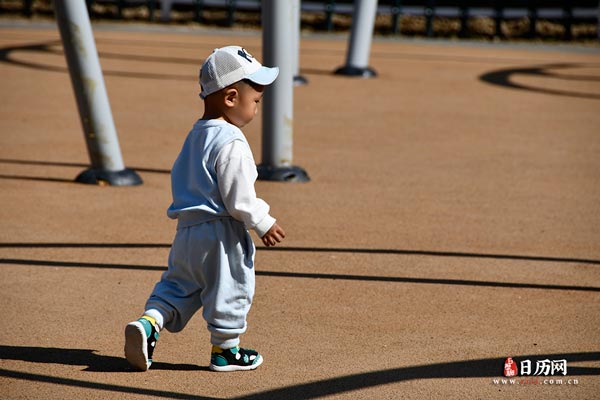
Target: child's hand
{"points": [[273, 236]]}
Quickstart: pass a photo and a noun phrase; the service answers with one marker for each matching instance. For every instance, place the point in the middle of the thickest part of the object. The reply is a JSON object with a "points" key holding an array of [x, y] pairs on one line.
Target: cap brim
{"points": [[264, 75]]}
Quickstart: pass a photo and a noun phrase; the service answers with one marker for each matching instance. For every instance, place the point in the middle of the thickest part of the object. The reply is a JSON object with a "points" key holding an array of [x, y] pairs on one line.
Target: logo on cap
{"points": [[244, 54]]}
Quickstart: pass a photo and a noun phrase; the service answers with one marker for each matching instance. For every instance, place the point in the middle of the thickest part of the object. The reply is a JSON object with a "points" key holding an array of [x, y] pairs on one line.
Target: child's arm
{"points": [[236, 174]]}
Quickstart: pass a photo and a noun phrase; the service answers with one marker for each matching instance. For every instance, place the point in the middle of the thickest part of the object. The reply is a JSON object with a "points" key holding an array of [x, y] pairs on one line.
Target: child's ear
{"points": [[230, 97]]}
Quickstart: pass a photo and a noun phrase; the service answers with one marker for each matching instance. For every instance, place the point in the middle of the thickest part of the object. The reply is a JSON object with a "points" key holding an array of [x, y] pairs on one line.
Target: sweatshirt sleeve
{"points": [[236, 174]]}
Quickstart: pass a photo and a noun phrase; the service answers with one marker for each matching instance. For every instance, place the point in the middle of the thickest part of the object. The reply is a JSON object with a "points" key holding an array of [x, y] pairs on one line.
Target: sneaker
{"points": [[234, 359], [140, 340]]}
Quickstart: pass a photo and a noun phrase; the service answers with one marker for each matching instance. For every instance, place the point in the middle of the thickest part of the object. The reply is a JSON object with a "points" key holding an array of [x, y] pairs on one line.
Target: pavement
{"points": [[452, 220]]}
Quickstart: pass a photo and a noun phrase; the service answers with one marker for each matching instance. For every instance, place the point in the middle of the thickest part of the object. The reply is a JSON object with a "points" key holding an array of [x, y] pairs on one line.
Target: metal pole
{"points": [[278, 101], [299, 80], [361, 35], [94, 109]]}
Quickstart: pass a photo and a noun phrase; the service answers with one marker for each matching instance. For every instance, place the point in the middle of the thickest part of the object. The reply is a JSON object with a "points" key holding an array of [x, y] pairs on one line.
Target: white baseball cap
{"points": [[231, 64]]}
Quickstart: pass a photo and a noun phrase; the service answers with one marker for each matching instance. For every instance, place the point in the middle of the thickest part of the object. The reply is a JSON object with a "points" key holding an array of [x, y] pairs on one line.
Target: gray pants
{"points": [[211, 265]]}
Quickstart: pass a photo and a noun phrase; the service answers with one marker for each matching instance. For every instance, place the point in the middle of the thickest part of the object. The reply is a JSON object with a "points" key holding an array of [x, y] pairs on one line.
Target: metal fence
{"points": [[562, 12]]}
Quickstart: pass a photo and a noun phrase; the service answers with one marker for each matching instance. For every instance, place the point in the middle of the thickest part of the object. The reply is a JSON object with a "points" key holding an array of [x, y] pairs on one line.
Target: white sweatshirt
{"points": [[213, 177]]}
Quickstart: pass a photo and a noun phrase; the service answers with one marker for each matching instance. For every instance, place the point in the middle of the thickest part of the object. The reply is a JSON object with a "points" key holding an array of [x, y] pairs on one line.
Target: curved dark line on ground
{"points": [[105, 72], [48, 163], [45, 47], [432, 254], [430, 281], [310, 275], [480, 368], [36, 178], [149, 43], [85, 245], [135, 57], [502, 77], [461, 369], [93, 361], [578, 78], [98, 386], [499, 77], [5, 56], [52, 179], [320, 250], [71, 164], [152, 170], [78, 264]]}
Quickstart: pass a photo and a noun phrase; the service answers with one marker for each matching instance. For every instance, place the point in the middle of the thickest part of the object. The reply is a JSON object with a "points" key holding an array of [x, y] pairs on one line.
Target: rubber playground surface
{"points": [[452, 221]]}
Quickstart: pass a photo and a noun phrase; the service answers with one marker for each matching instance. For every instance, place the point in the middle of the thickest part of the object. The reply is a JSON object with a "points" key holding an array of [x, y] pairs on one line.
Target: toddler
{"points": [[211, 262]]}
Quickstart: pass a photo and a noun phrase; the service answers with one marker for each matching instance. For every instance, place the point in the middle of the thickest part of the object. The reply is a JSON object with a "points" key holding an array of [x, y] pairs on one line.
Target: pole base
{"points": [[299, 80], [282, 174], [349, 70], [102, 177]]}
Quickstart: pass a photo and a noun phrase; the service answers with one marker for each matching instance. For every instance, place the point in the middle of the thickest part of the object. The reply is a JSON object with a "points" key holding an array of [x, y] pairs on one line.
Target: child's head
{"points": [[232, 83]]}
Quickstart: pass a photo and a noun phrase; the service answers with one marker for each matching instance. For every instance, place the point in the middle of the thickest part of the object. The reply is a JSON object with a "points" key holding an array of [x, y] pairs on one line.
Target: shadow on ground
{"points": [[490, 367], [310, 275], [504, 78]]}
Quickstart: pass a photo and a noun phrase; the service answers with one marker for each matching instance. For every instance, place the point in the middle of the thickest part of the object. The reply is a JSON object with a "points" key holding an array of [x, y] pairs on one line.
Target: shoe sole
{"points": [[135, 346], [231, 368]]}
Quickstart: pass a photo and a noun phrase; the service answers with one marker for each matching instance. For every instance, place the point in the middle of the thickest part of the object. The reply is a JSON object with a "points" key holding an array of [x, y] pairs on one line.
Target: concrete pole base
{"points": [[103, 177], [348, 70], [282, 174]]}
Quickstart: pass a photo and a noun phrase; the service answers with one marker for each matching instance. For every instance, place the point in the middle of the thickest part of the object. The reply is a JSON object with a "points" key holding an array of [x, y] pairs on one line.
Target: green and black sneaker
{"points": [[140, 341], [234, 359]]}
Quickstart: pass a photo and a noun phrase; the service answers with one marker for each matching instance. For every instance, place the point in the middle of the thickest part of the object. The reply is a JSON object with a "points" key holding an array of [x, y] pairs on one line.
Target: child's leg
{"points": [[228, 299], [176, 297], [211, 265], [172, 303], [229, 274]]}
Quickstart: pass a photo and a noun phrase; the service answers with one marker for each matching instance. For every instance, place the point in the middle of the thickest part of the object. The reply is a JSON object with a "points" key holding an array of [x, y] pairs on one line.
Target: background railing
{"points": [[563, 14]]}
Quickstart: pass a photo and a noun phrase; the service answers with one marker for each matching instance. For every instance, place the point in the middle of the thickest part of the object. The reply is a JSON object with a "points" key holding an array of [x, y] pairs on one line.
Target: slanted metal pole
{"points": [[299, 80], [278, 101], [361, 35], [94, 109]]}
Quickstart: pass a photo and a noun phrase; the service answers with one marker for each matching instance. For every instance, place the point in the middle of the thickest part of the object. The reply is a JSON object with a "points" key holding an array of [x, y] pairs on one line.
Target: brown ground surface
{"points": [[449, 223]]}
